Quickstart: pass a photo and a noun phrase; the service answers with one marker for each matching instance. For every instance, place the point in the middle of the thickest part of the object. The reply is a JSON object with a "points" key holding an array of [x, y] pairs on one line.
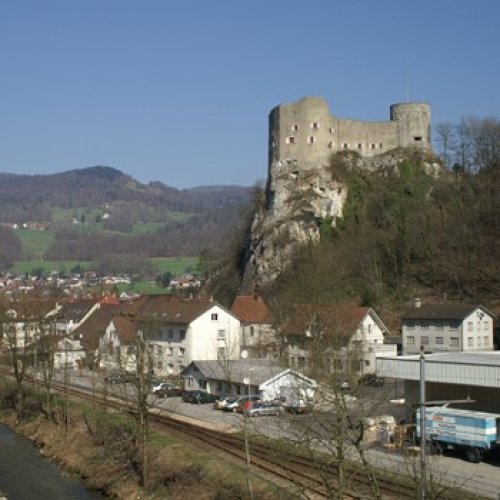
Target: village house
{"points": [[176, 332], [447, 327], [240, 377], [257, 334], [339, 339]]}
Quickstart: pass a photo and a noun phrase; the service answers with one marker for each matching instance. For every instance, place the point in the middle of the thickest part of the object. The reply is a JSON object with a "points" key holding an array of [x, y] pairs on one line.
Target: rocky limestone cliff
{"points": [[298, 199]]}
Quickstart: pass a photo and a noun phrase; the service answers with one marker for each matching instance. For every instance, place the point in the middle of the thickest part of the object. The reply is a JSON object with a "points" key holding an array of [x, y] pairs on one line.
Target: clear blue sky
{"points": [[179, 91]]}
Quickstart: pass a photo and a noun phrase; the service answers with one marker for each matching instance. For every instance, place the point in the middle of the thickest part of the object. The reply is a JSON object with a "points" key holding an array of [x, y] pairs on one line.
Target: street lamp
{"points": [[246, 381]]}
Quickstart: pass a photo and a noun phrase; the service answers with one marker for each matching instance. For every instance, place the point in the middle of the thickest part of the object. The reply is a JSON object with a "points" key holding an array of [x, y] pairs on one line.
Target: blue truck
{"points": [[472, 432]]}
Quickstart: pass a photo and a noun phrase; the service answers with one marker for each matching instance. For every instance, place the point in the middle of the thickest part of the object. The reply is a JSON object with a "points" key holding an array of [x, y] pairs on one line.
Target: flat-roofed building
{"points": [[449, 376]]}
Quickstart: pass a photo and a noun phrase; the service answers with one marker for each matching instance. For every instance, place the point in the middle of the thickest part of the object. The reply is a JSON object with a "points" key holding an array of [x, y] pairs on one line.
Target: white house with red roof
{"points": [[176, 331], [257, 333], [344, 338]]}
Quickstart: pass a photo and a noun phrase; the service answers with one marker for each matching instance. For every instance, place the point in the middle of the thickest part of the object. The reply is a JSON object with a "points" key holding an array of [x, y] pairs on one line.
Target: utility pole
{"points": [[423, 465]]}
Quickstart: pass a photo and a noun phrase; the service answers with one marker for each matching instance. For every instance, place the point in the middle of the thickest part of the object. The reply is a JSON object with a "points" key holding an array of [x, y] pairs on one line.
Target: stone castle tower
{"points": [[304, 134]]}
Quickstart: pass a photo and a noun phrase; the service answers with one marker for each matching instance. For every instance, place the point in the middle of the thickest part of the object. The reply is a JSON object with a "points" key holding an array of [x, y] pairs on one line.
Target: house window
{"points": [[170, 333], [182, 334], [486, 325], [315, 125], [479, 341], [159, 350], [159, 365], [439, 340], [486, 340], [252, 331], [453, 325], [221, 353], [170, 368], [170, 351], [203, 384], [311, 139], [410, 325], [439, 325], [410, 339], [221, 334], [367, 362], [290, 140], [424, 340], [470, 326], [181, 351], [424, 325], [470, 341], [454, 341], [300, 361]]}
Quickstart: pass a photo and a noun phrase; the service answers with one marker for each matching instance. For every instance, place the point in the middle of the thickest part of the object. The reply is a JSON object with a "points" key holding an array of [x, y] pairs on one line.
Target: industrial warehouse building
{"points": [[449, 376]]}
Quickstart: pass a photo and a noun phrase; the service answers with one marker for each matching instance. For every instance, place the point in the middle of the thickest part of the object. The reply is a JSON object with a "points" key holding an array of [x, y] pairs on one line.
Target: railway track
{"points": [[306, 475]]}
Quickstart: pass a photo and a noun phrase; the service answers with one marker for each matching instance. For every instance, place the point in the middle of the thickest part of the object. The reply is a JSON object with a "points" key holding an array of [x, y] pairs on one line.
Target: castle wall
{"points": [[304, 134]]}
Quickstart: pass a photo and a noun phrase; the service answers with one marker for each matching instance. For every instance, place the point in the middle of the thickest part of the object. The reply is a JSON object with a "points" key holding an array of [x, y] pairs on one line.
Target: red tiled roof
{"points": [[338, 320], [251, 309], [124, 328], [109, 299], [167, 309]]}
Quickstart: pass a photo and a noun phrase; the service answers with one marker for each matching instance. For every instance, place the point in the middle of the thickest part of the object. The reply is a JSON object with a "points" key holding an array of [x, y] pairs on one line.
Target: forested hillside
{"points": [[403, 233], [99, 213]]}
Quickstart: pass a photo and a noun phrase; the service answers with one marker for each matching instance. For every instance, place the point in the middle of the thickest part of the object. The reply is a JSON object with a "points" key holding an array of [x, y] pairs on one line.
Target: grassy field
{"points": [[176, 265], [35, 243]]}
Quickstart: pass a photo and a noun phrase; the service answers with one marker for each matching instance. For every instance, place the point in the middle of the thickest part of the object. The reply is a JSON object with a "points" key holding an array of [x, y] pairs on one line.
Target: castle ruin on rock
{"points": [[303, 137]]}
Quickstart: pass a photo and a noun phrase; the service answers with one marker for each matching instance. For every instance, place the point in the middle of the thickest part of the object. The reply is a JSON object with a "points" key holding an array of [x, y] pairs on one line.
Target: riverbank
{"points": [[103, 449]]}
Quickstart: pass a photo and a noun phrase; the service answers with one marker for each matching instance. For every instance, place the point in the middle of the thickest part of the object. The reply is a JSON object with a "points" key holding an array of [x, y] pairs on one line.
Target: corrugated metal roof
{"points": [[462, 368]]}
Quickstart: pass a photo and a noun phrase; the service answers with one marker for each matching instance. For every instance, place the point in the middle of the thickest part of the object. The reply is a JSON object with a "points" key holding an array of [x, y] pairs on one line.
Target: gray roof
{"points": [[443, 311], [258, 370]]}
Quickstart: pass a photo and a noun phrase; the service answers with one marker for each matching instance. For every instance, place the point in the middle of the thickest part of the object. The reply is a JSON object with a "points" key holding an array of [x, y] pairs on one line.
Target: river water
{"points": [[27, 475]]}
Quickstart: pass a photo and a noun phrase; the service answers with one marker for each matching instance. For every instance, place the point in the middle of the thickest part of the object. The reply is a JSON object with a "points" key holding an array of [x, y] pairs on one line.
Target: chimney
{"points": [[417, 303]]}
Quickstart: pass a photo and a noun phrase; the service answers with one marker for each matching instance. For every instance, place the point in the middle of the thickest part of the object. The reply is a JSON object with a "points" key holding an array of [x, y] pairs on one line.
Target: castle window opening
{"points": [[330, 144], [360, 145], [290, 139], [418, 138], [345, 145], [312, 139], [295, 128], [372, 145], [332, 130], [380, 145], [315, 125]]}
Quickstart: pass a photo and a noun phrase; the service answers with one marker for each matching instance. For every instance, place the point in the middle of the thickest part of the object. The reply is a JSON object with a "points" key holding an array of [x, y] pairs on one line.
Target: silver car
{"points": [[265, 408]]}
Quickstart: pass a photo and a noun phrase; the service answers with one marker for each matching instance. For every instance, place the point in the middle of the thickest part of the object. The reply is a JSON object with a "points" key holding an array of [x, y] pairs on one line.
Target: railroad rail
{"points": [[309, 476]]}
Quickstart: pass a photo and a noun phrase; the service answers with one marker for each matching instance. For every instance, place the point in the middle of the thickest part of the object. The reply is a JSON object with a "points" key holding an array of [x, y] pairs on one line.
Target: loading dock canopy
{"points": [[468, 368]]}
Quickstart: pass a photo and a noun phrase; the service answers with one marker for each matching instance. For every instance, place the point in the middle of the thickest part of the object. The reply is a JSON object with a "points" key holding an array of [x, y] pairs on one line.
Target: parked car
{"points": [[120, 378], [163, 389], [220, 404], [243, 403], [371, 380], [264, 408], [344, 385], [198, 397]]}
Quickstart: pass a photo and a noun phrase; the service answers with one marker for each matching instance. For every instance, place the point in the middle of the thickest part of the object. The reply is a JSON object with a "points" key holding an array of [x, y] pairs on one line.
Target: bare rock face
{"points": [[298, 199]]}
